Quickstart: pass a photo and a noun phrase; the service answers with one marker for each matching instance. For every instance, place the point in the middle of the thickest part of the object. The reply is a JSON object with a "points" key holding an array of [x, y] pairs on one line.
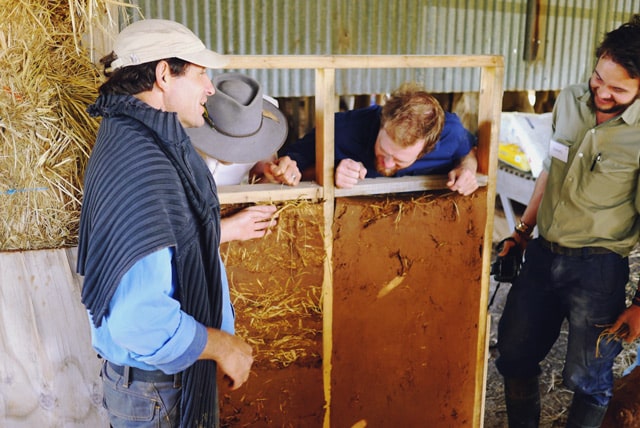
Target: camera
{"points": [[506, 268]]}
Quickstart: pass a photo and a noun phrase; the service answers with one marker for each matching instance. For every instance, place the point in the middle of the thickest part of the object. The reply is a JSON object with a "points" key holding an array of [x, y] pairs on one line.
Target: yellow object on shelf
{"points": [[512, 154]]}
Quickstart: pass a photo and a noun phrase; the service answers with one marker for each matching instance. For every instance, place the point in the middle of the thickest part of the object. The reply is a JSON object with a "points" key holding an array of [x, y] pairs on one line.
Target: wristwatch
{"points": [[524, 230]]}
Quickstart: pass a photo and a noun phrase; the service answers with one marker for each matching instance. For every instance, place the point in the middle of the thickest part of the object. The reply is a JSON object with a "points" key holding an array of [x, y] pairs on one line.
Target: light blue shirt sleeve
{"points": [[228, 313], [145, 327]]}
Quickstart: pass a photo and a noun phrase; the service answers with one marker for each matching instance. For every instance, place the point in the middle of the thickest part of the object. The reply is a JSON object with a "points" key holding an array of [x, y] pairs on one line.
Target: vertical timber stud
{"points": [[489, 111], [325, 119]]}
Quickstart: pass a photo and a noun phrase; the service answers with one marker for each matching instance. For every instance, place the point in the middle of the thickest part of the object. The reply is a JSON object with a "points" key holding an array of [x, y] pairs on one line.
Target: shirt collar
{"points": [[632, 114]]}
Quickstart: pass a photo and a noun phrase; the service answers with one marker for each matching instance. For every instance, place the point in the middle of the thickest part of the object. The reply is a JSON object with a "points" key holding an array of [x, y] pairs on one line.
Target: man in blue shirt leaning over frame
{"points": [[409, 135]]}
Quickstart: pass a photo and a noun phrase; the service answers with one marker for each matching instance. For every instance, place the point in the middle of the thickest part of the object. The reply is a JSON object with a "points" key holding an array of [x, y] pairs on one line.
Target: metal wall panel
{"points": [[567, 33]]}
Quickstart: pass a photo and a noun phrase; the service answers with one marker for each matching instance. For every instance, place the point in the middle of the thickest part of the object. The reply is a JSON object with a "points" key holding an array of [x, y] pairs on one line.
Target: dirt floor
{"points": [[624, 411]]}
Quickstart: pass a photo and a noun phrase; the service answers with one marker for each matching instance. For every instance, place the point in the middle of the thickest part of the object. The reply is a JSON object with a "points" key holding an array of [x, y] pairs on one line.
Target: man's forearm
{"points": [[470, 161]]}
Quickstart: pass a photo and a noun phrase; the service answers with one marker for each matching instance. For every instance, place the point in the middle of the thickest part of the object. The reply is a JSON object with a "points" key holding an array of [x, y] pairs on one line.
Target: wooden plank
{"points": [[245, 193], [361, 61], [268, 192], [489, 112], [381, 185], [325, 119]]}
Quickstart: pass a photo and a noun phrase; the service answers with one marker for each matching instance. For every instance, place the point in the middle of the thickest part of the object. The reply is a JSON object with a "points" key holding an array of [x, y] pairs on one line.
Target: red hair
{"points": [[412, 114]]}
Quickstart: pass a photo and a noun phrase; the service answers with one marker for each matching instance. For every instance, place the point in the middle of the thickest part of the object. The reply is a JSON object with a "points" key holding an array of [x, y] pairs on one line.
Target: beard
{"points": [[616, 108], [385, 172]]}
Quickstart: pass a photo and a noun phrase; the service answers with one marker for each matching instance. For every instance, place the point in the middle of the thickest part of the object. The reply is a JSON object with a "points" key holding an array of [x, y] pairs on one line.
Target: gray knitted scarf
{"points": [[145, 189]]}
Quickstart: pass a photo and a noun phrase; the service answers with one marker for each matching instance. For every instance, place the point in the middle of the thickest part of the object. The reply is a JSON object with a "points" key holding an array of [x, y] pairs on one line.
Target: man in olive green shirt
{"points": [[586, 204]]}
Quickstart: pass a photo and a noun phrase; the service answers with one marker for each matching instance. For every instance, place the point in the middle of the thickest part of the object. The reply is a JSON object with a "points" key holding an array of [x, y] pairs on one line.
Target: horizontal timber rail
{"points": [[363, 61], [244, 193]]}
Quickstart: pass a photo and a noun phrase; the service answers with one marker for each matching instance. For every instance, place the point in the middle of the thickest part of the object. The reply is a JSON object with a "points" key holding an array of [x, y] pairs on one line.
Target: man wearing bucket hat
{"points": [[150, 233], [243, 126]]}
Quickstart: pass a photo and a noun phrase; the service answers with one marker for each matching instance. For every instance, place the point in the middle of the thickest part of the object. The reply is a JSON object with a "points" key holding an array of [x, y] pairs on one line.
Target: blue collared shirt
{"points": [[145, 327], [356, 132]]}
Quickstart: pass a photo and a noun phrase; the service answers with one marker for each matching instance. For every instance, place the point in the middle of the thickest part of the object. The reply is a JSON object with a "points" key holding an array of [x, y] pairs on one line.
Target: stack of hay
{"points": [[47, 82]]}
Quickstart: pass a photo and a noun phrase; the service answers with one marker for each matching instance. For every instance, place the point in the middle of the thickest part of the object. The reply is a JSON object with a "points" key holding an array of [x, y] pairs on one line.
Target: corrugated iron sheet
{"points": [[562, 34]]}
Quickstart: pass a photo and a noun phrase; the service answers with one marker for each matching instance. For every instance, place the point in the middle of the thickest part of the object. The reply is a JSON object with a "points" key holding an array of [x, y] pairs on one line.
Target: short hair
{"points": [[411, 114], [622, 46], [134, 79]]}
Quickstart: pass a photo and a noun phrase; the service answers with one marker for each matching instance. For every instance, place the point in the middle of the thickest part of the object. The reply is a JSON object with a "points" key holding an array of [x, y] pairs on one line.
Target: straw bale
{"points": [[45, 133]]}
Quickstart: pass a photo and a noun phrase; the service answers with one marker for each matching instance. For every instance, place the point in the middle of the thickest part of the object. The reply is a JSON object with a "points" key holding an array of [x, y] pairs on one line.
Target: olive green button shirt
{"points": [[592, 199]]}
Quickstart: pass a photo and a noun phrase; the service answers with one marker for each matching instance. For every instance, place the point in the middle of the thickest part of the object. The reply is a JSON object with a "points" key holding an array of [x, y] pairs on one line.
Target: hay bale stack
{"points": [[47, 82]]}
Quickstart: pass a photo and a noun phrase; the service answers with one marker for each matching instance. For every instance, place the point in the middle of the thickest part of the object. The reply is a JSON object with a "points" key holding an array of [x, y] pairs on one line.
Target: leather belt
{"points": [[131, 374], [573, 252]]}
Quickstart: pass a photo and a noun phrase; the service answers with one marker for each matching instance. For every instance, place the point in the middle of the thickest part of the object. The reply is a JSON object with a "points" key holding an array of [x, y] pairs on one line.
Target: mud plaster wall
{"points": [[405, 314], [276, 284], [408, 357]]}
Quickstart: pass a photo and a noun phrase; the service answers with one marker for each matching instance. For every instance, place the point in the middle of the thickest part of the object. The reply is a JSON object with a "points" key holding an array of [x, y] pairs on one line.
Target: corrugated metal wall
{"points": [[564, 33]]}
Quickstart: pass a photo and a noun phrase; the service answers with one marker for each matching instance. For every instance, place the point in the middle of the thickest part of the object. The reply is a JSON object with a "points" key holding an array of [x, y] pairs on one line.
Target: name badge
{"points": [[559, 151]]}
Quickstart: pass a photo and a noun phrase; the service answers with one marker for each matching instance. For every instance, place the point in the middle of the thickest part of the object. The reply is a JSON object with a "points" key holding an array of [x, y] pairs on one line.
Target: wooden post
{"points": [[325, 115], [489, 111]]}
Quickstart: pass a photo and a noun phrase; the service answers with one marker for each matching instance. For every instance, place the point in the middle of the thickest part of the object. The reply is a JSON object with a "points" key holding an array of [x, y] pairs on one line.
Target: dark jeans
{"points": [[141, 404], [587, 290]]}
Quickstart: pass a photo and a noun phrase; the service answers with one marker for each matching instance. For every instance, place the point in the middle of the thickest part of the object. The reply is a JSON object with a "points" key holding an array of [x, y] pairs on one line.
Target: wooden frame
{"points": [[490, 103], [58, 380]]}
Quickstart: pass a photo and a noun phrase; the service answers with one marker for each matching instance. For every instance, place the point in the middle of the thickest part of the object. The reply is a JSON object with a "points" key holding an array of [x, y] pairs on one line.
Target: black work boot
{"points": [[583, 413], [522, 397]]}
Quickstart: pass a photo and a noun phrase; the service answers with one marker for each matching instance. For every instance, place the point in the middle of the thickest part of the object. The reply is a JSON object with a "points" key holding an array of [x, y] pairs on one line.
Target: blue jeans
{"points": [[142, 404], [587, 290]]}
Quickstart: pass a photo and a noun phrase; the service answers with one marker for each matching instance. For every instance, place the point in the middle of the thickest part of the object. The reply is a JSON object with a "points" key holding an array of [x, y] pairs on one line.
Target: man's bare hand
{"points": [[462, 180], [250, 223], [517, 240], [349, 172], [627, 326], [283, 170], [232, 354]]}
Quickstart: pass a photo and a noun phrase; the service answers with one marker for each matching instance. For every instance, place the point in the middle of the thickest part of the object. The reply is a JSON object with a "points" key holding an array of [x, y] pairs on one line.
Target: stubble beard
{"points": [[615, 109], [385, 172]]}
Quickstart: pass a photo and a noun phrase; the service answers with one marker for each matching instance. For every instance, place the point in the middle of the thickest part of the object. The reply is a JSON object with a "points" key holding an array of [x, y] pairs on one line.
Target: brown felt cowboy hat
{"points": [[240, 125]]}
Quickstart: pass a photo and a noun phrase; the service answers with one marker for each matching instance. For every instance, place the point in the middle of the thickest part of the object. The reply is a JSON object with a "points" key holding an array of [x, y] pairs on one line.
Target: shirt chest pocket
{"points": [[614, 165], [611, 180]]}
